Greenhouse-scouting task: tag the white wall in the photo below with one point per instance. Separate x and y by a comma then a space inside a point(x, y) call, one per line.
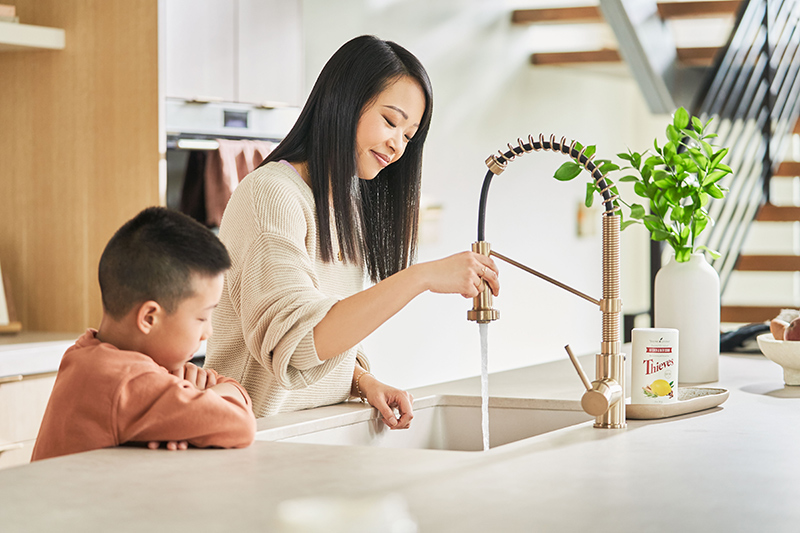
point(486, 94)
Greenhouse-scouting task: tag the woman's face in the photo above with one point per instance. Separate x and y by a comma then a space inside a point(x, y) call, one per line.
point(387, 125)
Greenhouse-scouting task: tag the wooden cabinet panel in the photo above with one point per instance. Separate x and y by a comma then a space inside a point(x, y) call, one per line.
point(79, 148)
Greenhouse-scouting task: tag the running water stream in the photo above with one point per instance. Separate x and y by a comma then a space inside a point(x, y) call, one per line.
point(484, 331)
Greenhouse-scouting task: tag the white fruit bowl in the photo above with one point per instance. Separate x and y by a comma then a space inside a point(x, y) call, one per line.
point(784, 353)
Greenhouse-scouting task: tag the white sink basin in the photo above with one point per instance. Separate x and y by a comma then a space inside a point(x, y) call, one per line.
point(440, 423)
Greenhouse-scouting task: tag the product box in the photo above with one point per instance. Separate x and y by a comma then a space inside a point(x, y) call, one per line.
point(654, 365)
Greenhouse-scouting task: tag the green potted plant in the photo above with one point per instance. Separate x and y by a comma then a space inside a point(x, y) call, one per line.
point(677, 181)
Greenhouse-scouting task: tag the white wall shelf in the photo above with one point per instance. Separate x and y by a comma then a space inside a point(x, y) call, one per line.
point(14, 36)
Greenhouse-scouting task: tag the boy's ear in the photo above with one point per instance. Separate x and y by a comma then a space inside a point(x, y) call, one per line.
point(148, 316)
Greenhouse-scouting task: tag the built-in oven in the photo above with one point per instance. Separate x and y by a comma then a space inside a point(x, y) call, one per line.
point(211, 145)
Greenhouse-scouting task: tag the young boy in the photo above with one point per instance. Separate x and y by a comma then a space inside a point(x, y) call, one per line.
point(161, 276)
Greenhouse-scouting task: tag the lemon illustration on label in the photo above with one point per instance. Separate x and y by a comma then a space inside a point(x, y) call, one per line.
point(659, 387)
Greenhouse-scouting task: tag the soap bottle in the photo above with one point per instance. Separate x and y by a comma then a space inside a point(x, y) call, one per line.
point(654, 366)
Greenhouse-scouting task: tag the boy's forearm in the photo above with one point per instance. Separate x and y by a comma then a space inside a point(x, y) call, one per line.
point(228, 390)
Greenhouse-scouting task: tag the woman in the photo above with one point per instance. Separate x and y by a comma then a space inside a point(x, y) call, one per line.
point(338, 198)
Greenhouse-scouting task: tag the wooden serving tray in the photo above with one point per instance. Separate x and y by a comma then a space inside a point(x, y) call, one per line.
point(690, 400)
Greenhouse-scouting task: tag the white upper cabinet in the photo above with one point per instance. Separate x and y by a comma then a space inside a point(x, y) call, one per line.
point(201, 47)
point(234, 50)
point(270, 52)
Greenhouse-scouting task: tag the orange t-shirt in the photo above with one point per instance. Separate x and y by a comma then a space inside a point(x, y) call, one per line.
point(104, 396)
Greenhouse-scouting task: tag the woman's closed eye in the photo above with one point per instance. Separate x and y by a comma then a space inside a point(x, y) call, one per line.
point(393, 125)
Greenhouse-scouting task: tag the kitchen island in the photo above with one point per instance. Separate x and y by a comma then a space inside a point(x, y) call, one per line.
point(730, 468)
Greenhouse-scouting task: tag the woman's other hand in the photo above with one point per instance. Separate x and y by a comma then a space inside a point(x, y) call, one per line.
point(462, 273)
point(386, 400)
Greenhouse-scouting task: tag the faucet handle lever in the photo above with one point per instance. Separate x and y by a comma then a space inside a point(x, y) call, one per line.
point(579, 368)
point(600, 394)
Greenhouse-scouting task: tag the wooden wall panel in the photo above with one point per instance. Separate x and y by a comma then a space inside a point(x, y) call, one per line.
point(78, 152)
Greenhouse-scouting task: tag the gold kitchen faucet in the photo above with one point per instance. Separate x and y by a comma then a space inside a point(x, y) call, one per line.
point(605, 396)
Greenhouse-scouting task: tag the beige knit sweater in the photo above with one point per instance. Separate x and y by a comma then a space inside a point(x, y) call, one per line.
point(277, 290)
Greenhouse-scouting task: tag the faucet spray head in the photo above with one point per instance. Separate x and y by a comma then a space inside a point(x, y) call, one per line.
point(482, 311)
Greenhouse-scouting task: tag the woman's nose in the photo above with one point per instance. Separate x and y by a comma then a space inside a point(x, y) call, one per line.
point(207, 331)
point(396, 144)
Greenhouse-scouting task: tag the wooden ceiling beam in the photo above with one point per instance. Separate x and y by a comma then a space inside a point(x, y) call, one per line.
point(676, 10)
point(557, 15)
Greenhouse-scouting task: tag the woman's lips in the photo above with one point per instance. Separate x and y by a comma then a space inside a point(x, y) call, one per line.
point(383, 161)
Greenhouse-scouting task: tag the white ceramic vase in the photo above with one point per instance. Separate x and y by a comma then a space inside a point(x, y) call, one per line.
point(687, 299)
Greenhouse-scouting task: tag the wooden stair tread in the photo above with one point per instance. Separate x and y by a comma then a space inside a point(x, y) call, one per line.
point(788, 168)
point(699, 56)
point(569, 15)
point(585, 56)
point(778, 213)
point(750, 313)
point(674, 10)
point(593, 13)
point(768, 263)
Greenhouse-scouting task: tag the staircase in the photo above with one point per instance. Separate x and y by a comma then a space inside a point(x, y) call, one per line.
point(751, 87)
point(763, 280)
point(688, 56)
point(754, 97)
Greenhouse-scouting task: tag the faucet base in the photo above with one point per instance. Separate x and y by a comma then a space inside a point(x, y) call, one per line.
point(612, 367)
point(601, 425)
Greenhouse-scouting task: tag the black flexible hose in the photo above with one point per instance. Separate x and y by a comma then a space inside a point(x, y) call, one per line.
point(581, 159)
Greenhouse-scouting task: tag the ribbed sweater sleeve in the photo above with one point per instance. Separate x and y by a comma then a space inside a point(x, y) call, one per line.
point(279, 308)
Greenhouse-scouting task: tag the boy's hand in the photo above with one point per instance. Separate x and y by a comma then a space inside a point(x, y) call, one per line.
point(170, 445)
point(199, 377)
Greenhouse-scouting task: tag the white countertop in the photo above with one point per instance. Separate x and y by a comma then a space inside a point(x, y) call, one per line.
point(37, 352)
point(732, 468)
point(33, 352)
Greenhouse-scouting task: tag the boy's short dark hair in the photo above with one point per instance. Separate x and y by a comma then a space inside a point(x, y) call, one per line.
point(153, 257)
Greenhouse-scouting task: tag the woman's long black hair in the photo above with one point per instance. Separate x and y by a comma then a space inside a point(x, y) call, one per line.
point(376, 220)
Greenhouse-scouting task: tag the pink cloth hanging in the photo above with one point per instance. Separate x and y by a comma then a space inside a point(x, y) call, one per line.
point(225, 168)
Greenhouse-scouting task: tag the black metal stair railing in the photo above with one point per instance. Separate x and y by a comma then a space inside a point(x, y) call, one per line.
point(752, 94)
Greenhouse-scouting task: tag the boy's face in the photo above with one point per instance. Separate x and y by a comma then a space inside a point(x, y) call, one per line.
point(178, 335)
